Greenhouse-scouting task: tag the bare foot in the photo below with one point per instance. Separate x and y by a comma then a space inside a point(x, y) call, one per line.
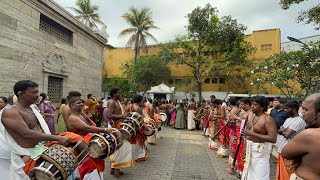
point(118, 173)
point(231, 171)
point(112, 171)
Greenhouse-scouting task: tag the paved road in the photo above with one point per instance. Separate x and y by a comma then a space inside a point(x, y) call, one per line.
point(179, 155)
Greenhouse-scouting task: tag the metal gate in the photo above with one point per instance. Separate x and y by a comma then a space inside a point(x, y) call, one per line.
point(55, 89)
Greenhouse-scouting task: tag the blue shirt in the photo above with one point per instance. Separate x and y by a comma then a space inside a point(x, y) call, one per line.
point(279, 117)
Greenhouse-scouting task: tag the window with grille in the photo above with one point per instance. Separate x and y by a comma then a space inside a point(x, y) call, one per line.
point(55, 89)
point(266, 47)
point(56, 30)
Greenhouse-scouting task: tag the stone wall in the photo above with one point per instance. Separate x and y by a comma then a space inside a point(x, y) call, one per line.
point(28, 53)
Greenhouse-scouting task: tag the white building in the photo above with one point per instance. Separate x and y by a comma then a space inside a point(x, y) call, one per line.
point(294, 46)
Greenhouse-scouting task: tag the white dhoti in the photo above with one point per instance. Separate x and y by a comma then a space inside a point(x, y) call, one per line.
point(17, 164)
point(153, 139)
point(191, 122)
point(94, 175)
point(122, 158)
point(5, 154)
point(257, 161)
point(138, 151)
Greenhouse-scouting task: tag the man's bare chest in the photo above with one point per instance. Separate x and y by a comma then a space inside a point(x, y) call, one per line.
point(30, 119)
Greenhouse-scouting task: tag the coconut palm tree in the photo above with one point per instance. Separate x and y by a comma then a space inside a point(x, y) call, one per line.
point(87, 13)
point(141, 22)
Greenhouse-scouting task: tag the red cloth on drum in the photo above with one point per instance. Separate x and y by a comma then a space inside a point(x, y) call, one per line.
point(224, 134)
point(29, 165)
point(73, 137)
point(90, 165)
point(140, 137)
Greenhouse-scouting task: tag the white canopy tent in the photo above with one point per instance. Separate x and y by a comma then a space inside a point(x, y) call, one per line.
point(161, 91)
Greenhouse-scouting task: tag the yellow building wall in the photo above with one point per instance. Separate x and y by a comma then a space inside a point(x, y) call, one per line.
point(266, 42)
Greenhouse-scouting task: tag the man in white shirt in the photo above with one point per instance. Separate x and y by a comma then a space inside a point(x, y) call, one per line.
point(291, 127)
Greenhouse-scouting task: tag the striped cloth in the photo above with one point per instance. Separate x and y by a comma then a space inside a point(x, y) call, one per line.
point(295, 123)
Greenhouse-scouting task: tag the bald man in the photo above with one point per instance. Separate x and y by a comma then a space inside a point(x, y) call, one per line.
point(304, 149)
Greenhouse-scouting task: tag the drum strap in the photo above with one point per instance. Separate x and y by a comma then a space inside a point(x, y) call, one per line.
point(122, 110)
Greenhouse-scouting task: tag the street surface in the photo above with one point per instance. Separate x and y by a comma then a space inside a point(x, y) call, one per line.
point(180, 155)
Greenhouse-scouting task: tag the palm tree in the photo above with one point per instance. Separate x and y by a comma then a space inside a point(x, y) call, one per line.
point(87, 13)
point(141, 22)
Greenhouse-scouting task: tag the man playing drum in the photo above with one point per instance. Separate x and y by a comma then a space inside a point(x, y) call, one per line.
point(139, 148)
point(25, 128)
point(123, 157)
point(84, 126)
point(153, 112)
point(66, 110)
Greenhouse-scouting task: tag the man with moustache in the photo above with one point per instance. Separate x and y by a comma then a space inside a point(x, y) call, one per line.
point(261, 131)
point(303, 150)
point(82, 125)
point(66, 110)
point(24, 128)
point(291, 127)
point(122, 158)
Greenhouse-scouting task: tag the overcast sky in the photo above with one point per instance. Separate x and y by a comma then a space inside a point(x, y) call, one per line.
point(169, 16)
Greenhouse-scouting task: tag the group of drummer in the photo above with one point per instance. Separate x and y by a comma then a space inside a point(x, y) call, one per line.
point(29, 151)
point(222, 125)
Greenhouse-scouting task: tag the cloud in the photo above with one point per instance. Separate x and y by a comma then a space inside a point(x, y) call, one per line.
point(169, 15)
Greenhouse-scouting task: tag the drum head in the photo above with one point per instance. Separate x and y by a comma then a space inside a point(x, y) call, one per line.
point(127, 129)
point(125, 134)
point(95, 150)
point(163, 117)
point(149, 131)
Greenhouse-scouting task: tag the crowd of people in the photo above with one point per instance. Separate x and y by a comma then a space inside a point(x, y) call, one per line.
point(245, 131)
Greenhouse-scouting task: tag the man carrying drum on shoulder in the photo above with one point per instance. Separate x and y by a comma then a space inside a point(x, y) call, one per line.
point(24, 129)
point(122, 158)
point(139, 148)
point(82, 125)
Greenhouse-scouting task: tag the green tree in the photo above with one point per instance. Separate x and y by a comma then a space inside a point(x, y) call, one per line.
point(208, 38)
point(117, 82)
point(311, 15)
point(148, 71)
point(291, 72)
point(87, 13)
point(141, 22)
